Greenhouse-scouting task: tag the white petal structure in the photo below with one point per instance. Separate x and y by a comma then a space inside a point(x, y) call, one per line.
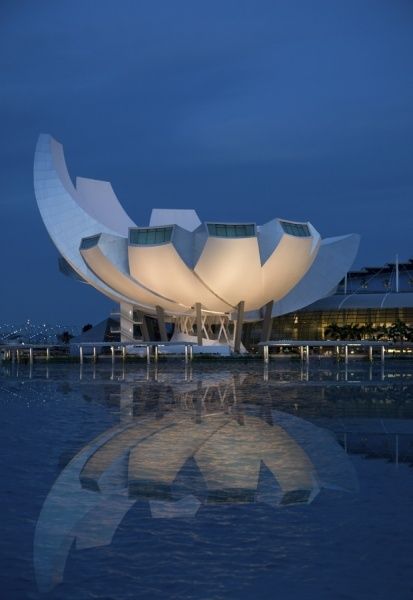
point(177, 262)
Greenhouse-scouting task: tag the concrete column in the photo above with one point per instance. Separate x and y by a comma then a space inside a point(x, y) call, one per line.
point(156, 353)
point(346, 354)
point(337, 352)
point(18, 355)
point(382, 353)
point(126, 322)
point(123, 352)
point(371, 353)
point(160, 313)
point(307, 353)
point(301, 353)
point(81, 354)
point(267, 322)
point(238, 329)
point(191, 353)
point(112, 351)
point(266, 354)
point(31, 355)
point(144, 326)
point(94, 354)
point(186, 353)
point(47, 353)
point(198, 316)
point(148, 354)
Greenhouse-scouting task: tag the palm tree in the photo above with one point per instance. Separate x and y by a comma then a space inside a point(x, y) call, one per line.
point(399, 331)
point(333, 332)
point(64, 337)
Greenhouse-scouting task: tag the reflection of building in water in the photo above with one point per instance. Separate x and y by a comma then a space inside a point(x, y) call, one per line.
point(203, 449)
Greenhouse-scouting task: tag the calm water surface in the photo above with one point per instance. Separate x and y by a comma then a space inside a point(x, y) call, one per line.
point(212, 482)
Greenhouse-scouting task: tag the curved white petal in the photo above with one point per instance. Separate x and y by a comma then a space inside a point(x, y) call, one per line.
point(98, 199)
point(162, 270)
point(333, 261)
point(65, 220)
point(107, 258)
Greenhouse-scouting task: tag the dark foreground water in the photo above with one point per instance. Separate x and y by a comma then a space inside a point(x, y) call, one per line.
point(220, 481)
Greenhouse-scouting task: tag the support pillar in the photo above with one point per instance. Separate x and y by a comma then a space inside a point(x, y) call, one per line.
point(267, 322)
point(148, 354)
point(161, 323)
point(156, 353)
point(266, 354)
point(112, 351)
point(81, 355)
point(346, 354)
point(123, 353)
point(144, 326)
point(94, 354)
point(371, 353)
point(382, 354)
point(307, 353)
point(126, 322)
point(198, 316)
point(186, 353)
point(238, 328)
point(301, 353)
point(191, 353)
point(31, 355)
point(47, 353)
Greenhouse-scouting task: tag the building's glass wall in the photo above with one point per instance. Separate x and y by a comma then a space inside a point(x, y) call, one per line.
point(150, 235)
point(297, 229)
point(312, 325)
point(89, 242)
point(231, 231)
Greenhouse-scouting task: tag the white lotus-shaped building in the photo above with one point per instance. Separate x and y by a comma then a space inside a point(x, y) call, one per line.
point(177, 268)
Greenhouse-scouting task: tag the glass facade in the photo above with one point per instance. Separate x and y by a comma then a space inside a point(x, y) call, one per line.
point(297, 229)
point(311, 325)
point(150, 235)
point(227, 230)
point(89, 242)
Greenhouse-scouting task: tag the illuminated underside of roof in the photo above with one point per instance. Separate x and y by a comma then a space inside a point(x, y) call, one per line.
point(177, 262)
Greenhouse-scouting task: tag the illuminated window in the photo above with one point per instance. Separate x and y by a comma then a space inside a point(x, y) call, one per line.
point(227, 230)
point(297, 229)
point(89, 242)
point(150, 235)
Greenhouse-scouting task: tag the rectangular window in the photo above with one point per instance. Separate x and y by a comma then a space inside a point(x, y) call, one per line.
point(150, 235)
point(89, 242)
point(229, 230)
point(297, 229)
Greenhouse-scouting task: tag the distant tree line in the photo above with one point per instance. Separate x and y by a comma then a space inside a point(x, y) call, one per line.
point(397, 332)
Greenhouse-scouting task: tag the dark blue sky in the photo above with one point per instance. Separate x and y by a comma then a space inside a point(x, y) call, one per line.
point(242, 110)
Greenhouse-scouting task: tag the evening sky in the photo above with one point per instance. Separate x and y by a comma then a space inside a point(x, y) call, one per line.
point(243, 110)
